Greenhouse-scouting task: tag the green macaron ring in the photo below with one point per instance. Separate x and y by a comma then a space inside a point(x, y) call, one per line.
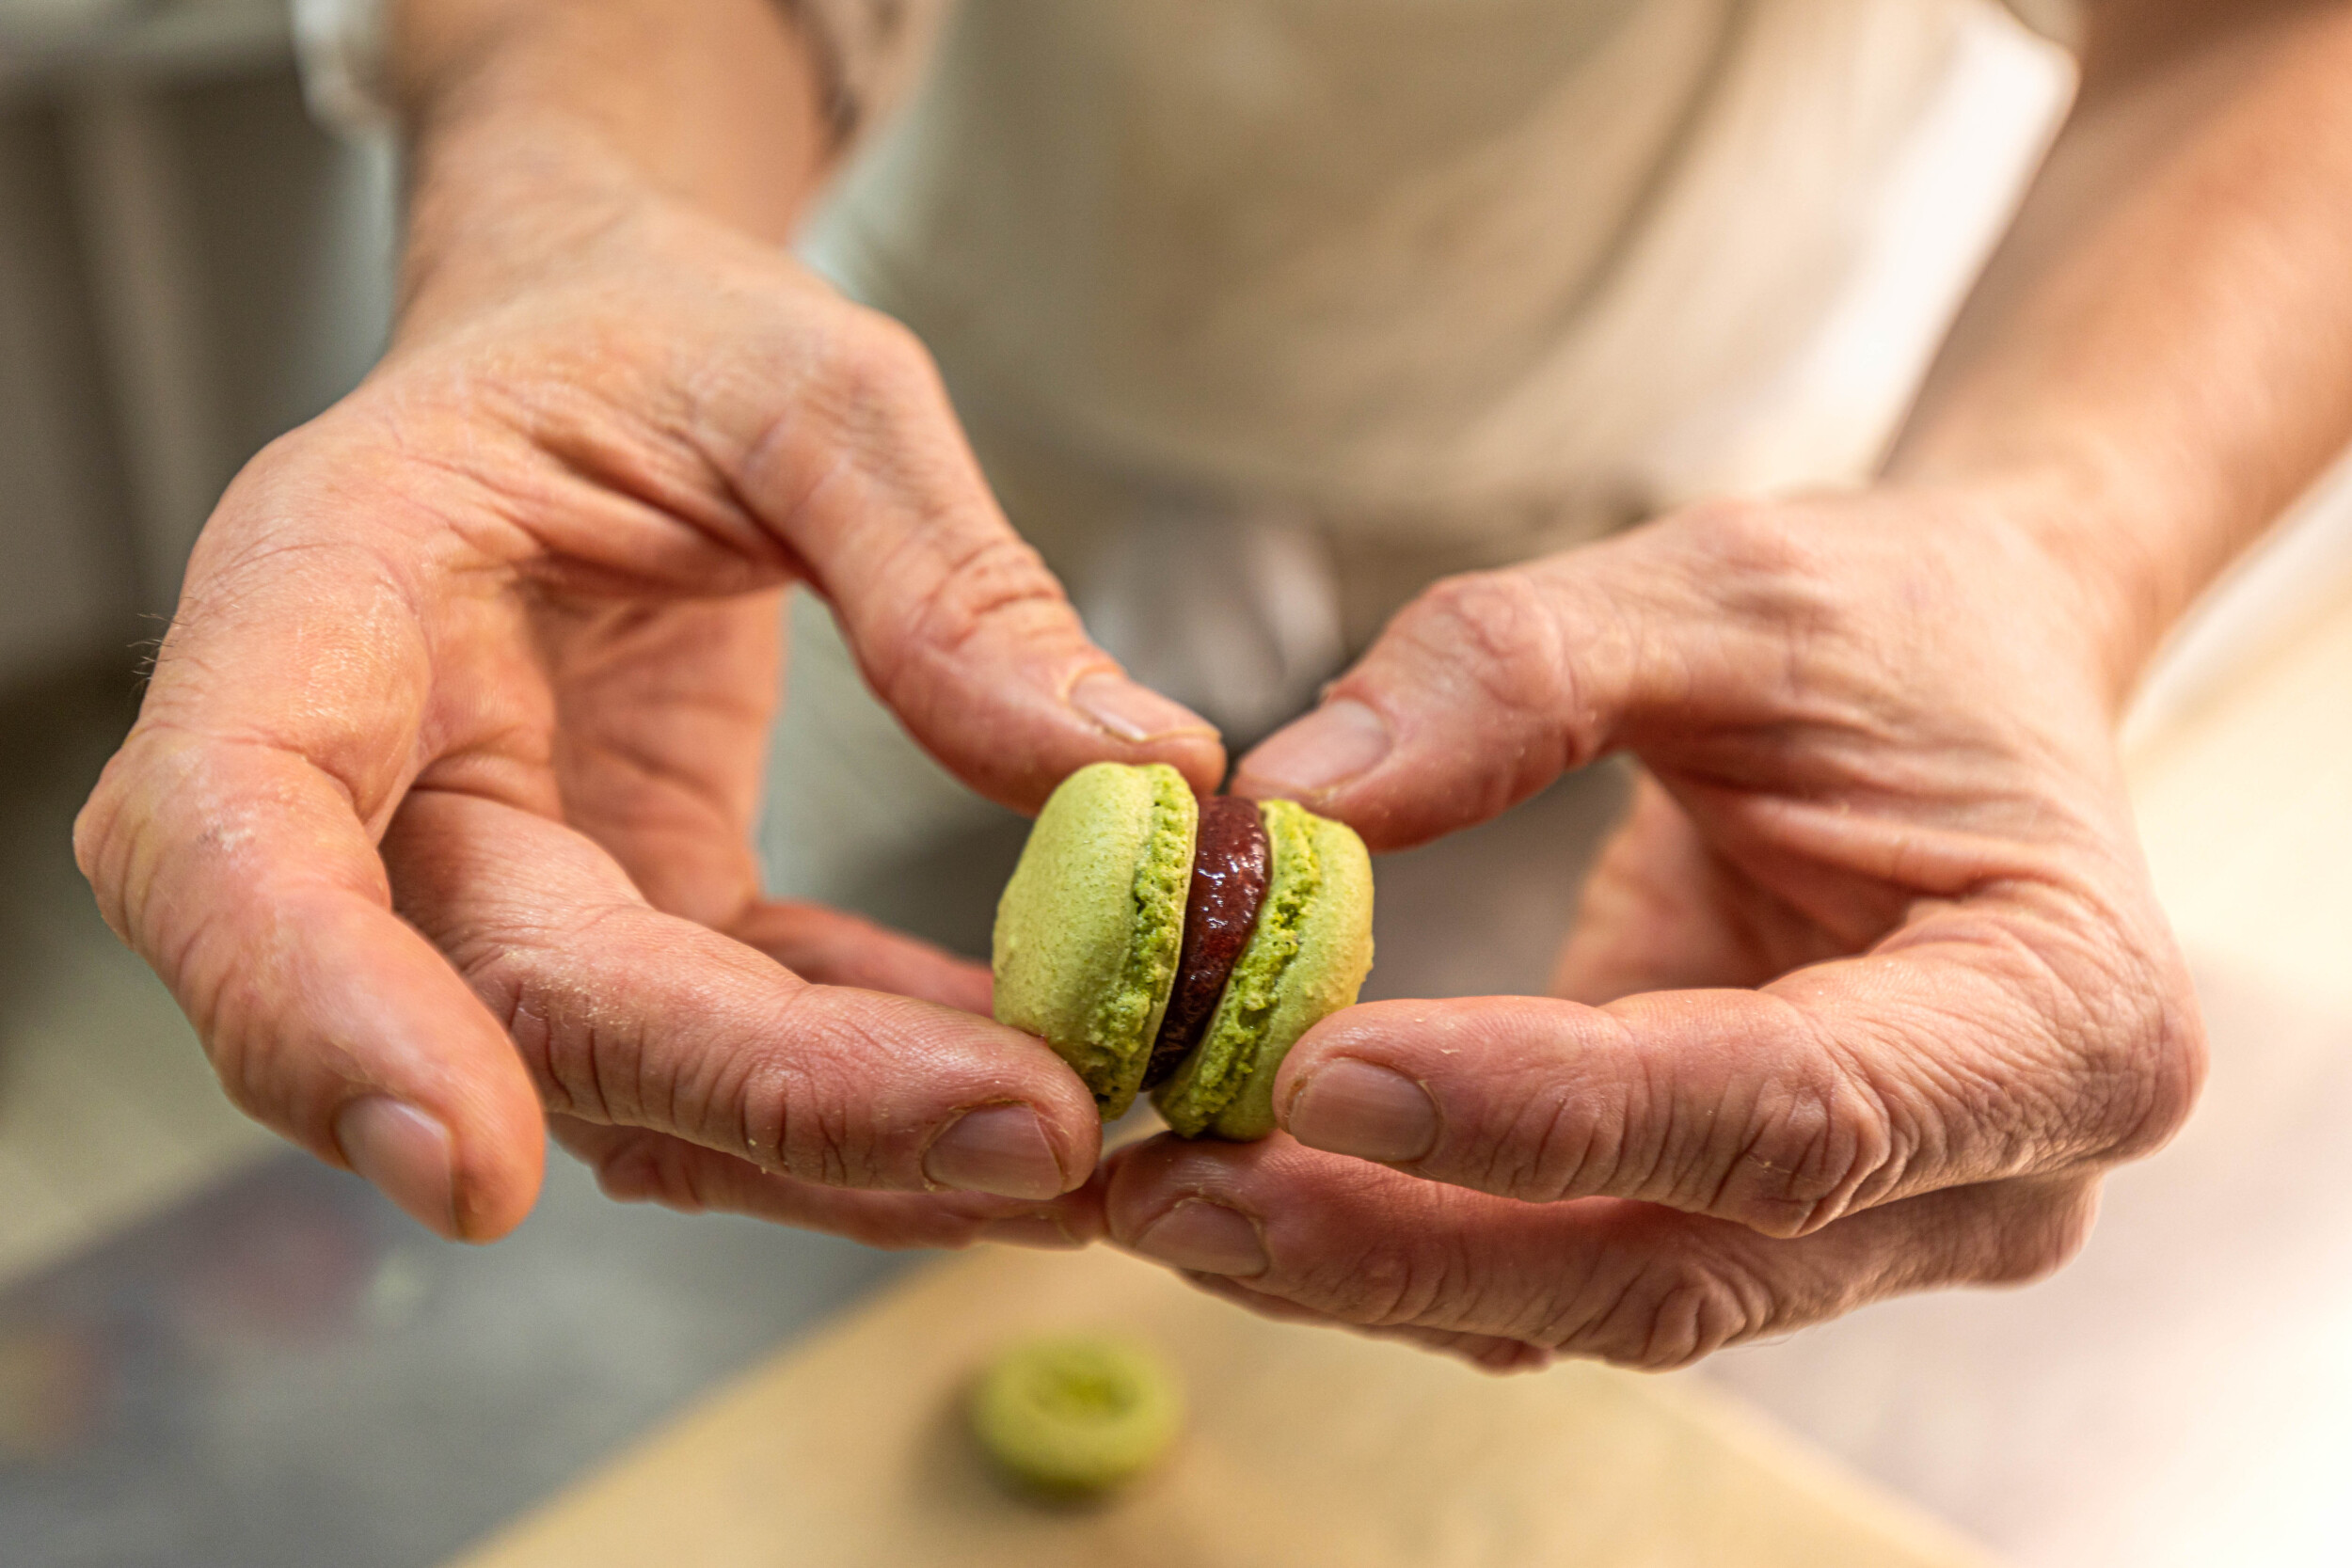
point(1074, 1416)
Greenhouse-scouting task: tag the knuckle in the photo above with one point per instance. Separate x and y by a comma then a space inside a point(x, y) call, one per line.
point(651, 1170)
point(792, 1110)
point(1565, 1143)
point(243, 1058)
point(1783, 1130)
point(94, 828)
point(1672, 1313)
point(873, 367)
point(575, 1057)
point(2169, 1058)
point(1751, 538)
point(2127, 1055)
point(122, 838)
point(1813, 1153)
point(1775, 571)
point(1381, 1284)
point(1497, 631)
point(886, 343)
point(279, 1070)
point(993, 583)
point(2044, 1238)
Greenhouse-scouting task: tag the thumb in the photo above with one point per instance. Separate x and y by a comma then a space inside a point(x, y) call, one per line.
point(955, 621)
point(238, 870)
point(1492, 684)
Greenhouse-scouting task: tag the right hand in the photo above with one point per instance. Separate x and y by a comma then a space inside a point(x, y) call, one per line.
point(437, 817)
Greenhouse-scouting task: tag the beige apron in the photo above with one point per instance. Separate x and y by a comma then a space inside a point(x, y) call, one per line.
point(1263, 313)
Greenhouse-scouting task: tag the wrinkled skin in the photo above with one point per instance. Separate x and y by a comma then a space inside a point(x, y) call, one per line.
point(1870, 987)
point(440, 797)
point(512, 611)
point(1864, 994)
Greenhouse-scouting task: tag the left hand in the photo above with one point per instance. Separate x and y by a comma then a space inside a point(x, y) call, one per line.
point(1866, 992)
point(437, 818)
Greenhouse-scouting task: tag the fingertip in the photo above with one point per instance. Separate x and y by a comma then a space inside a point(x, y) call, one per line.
point(1313, 758)
point(1363, 1110)
point(404, 1154)
point(1081, 1212)
point(1130, 1184)
point(1201, 759)
point(497, 1184)
point(412, 1158)
point(1068, 1223)
point(436, 1108)
point(1003, 1151)
point(1202, 1235)
point(1142, 1181)
point(1015, 742)
point(1031, 1090)
point(1509, 1357)
point(1149, 727)
point(1133, 713)
point(1374, 1030)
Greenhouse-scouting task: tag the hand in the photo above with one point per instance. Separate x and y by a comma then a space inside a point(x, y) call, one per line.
point(1866, 993)
point(512, 609)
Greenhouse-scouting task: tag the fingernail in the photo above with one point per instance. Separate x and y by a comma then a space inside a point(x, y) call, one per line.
point(1333, 744)
point(1206, 1237)
point(1043, 1231)
point(1352, 1107)
point(1132, 712)
point(406, 1155)
point(998, 1149)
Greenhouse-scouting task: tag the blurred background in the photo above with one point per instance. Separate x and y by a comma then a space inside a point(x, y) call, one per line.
point(214, 1352)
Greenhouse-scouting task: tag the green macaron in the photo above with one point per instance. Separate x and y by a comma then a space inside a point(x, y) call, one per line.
point(1158, 942)
point(1074, 1416)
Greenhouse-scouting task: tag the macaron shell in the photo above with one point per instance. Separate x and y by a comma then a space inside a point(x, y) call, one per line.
point(1212, 1075)
point(1306, 957)
point(1334, 956)
point(1089, 925)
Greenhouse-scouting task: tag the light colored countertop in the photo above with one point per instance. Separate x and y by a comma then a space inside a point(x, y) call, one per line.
point(1302, 1447)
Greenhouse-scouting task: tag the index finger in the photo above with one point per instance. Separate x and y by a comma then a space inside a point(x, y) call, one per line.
point(633, 1018)
point(954, 619)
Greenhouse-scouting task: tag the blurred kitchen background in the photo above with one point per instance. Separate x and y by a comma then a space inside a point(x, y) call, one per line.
point(213, 1352)
point(187, 268)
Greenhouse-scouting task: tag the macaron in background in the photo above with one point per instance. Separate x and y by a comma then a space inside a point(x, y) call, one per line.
point(1159, 941)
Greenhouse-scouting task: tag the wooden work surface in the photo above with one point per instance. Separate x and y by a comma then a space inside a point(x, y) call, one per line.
point(1305, 1447)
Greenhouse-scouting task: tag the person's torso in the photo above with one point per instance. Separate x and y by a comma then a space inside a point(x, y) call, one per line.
point(1421, 263)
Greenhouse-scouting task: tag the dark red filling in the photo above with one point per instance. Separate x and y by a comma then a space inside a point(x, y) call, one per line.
point(1230, 863)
